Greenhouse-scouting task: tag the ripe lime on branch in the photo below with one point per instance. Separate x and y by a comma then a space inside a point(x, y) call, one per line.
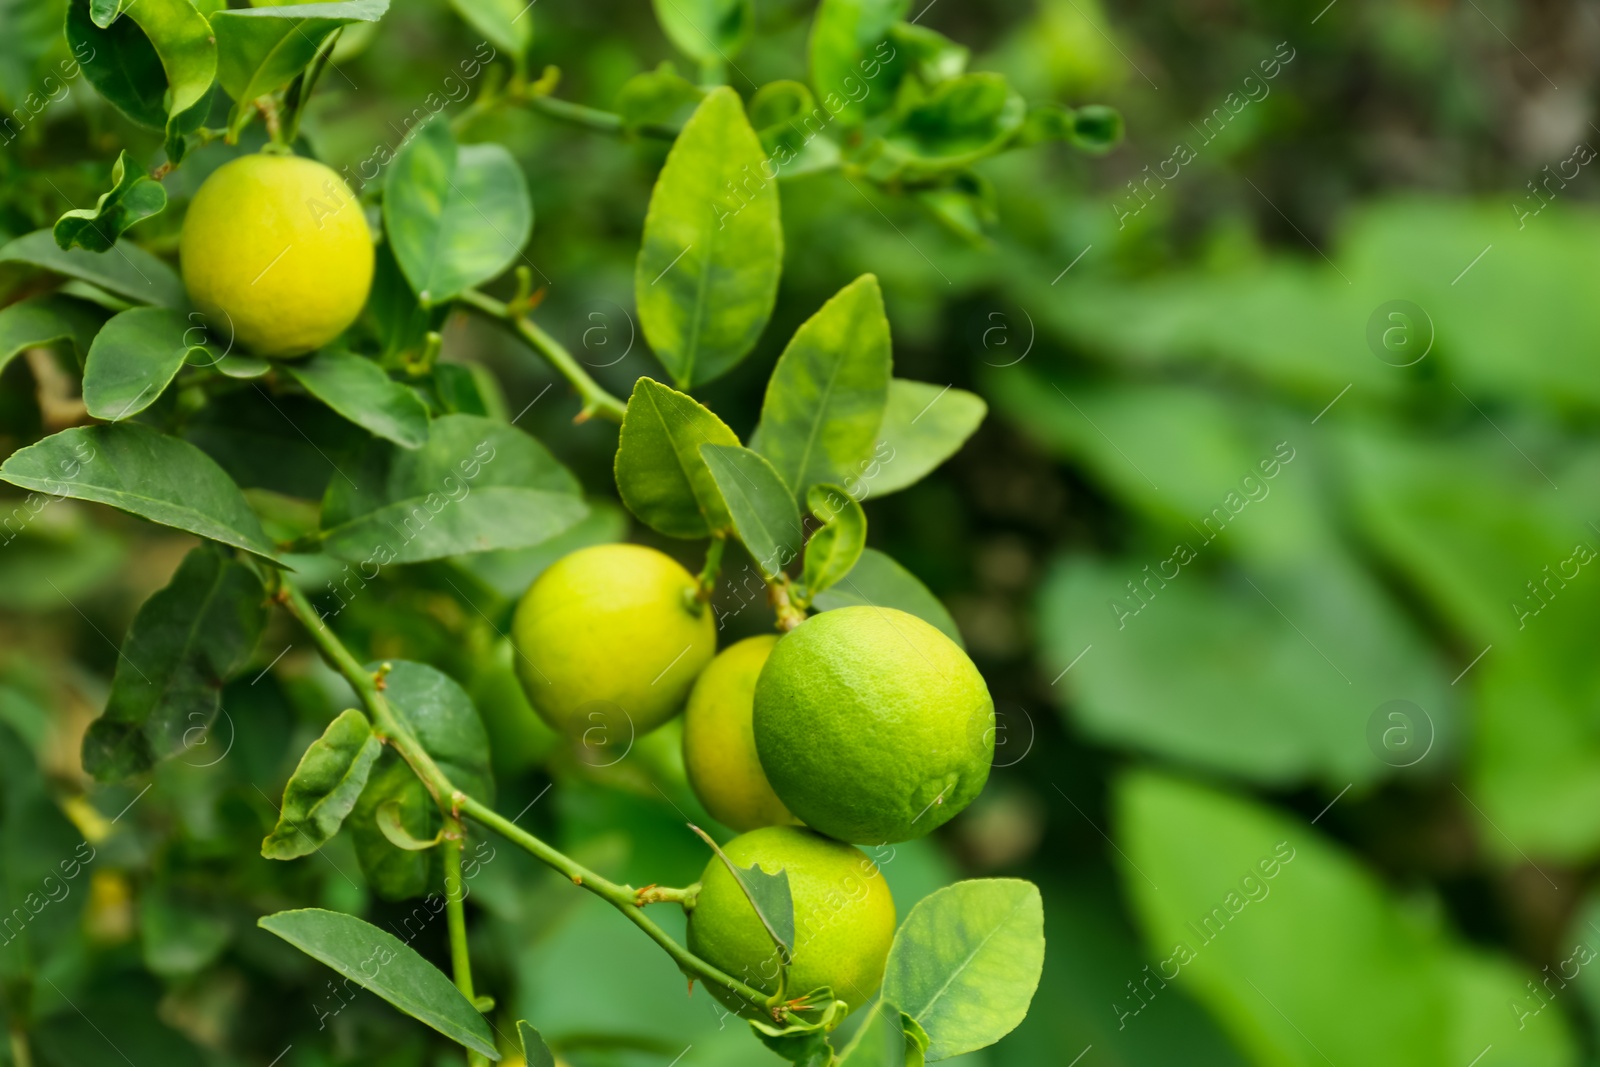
point(719, 745)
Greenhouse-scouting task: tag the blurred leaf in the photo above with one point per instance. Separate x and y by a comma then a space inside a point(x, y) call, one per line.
point(661, 98)
point(960, 122)
point(179, 937)
point(1213, 857)
point(826, 397)
point(966, 961)
point(923, 425)
point(834, 549)
point(358, 389)
point(133, 197)
point(763, 509)
point(126, 270)
point(44, 320)
point(889, 1038)
point(185, 642)
point(475, 485)
point(506, 24)
point(455, 216)
point(965, 203)
point(709, 31)
point(879, 581)
point(708, 266)
point(378, 961)
point(930, 55)
point(660, 474)
point(1238, 654)
point(392, 788)
point(262, 49)
point(324, 787)
point(849, 45)
point(134, 358)
point(535, 1053)
point(784, 115)
point(1482, 986)
point(136, 469)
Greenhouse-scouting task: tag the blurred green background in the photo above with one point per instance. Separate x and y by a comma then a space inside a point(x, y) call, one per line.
point(1274, 549)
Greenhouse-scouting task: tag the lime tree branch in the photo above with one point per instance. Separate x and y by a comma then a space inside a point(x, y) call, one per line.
point(596, 400)
point(455, 897)
point(453, 803)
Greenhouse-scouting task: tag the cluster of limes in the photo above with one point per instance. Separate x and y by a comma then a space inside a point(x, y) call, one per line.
point(863, 725)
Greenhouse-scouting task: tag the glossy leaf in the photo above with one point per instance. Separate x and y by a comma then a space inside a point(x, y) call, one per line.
point(136, 469)
point(710, 31)
point(966, 961)
point(535, 1053)
point(44, 320)
point(506, 24)
point(127, 270)
point(878, 580)
point(133, 359)
point(358, 389)
point(155, 62)
point(185, 642)
point(825, 400)
point(660, 474)
point(183, 40)
point(923, 425)
point(835, 548)
point(849, 47)
point(707, 273)
point(378, 961)
point(763, 510)
point(455, 216)
point(475, 485)
point(391, 817)
point(262, 49)
point(324, 787)
point(121, 64)
point(133, 197)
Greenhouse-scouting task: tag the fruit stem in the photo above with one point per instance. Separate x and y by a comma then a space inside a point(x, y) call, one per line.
point(712, 570)
point(665, 894)
point(454, 803)
point(596, 400)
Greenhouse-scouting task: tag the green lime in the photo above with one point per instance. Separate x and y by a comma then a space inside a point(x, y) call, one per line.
point(609, 639)
point(843, 916)
point(719, 744)
point(872, 725)
point(276, 253)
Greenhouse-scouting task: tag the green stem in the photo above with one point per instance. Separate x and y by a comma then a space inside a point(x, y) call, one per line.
point(712, 570)
point(596, 400)
point(453, 802)
point(20, 1053)
point(623, 898)
point(593, 118)
point(455, 914)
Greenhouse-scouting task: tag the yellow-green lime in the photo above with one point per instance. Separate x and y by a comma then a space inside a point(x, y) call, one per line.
point(843, 916)
point(719, 743)
point(609, 639)
point(276, 254)
point(872, 725)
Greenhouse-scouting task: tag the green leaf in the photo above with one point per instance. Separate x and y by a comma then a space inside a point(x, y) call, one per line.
point(923, 425)
point(127, 270)
point(661, 98)
point(1220, 885)
point(44, 320)
point(391, 817)
point(378, 961)
point(834, 549)
point(443, 719)
point(133, 359)
point(1271, 674)
point(784, 115)
point(878, 580)
point(966, 961)
point(262, 49)
point(960, 122)
point(660, 475)
point(185, 642)
point(182, 40)
point(849, 48)
point(707, 273)
point(324, 787)
point(358, 389)
point(825, 400)
point(769, 896)
point(506, 24)
point(930, 55)
point(138, 470)
point(764, 513)
point(133, 197)
point(156, 65)
point(455, 216)
point(475, 485)
point(708, 31)
point(535, 1053)
point(889, 1038)
point(179, 936)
